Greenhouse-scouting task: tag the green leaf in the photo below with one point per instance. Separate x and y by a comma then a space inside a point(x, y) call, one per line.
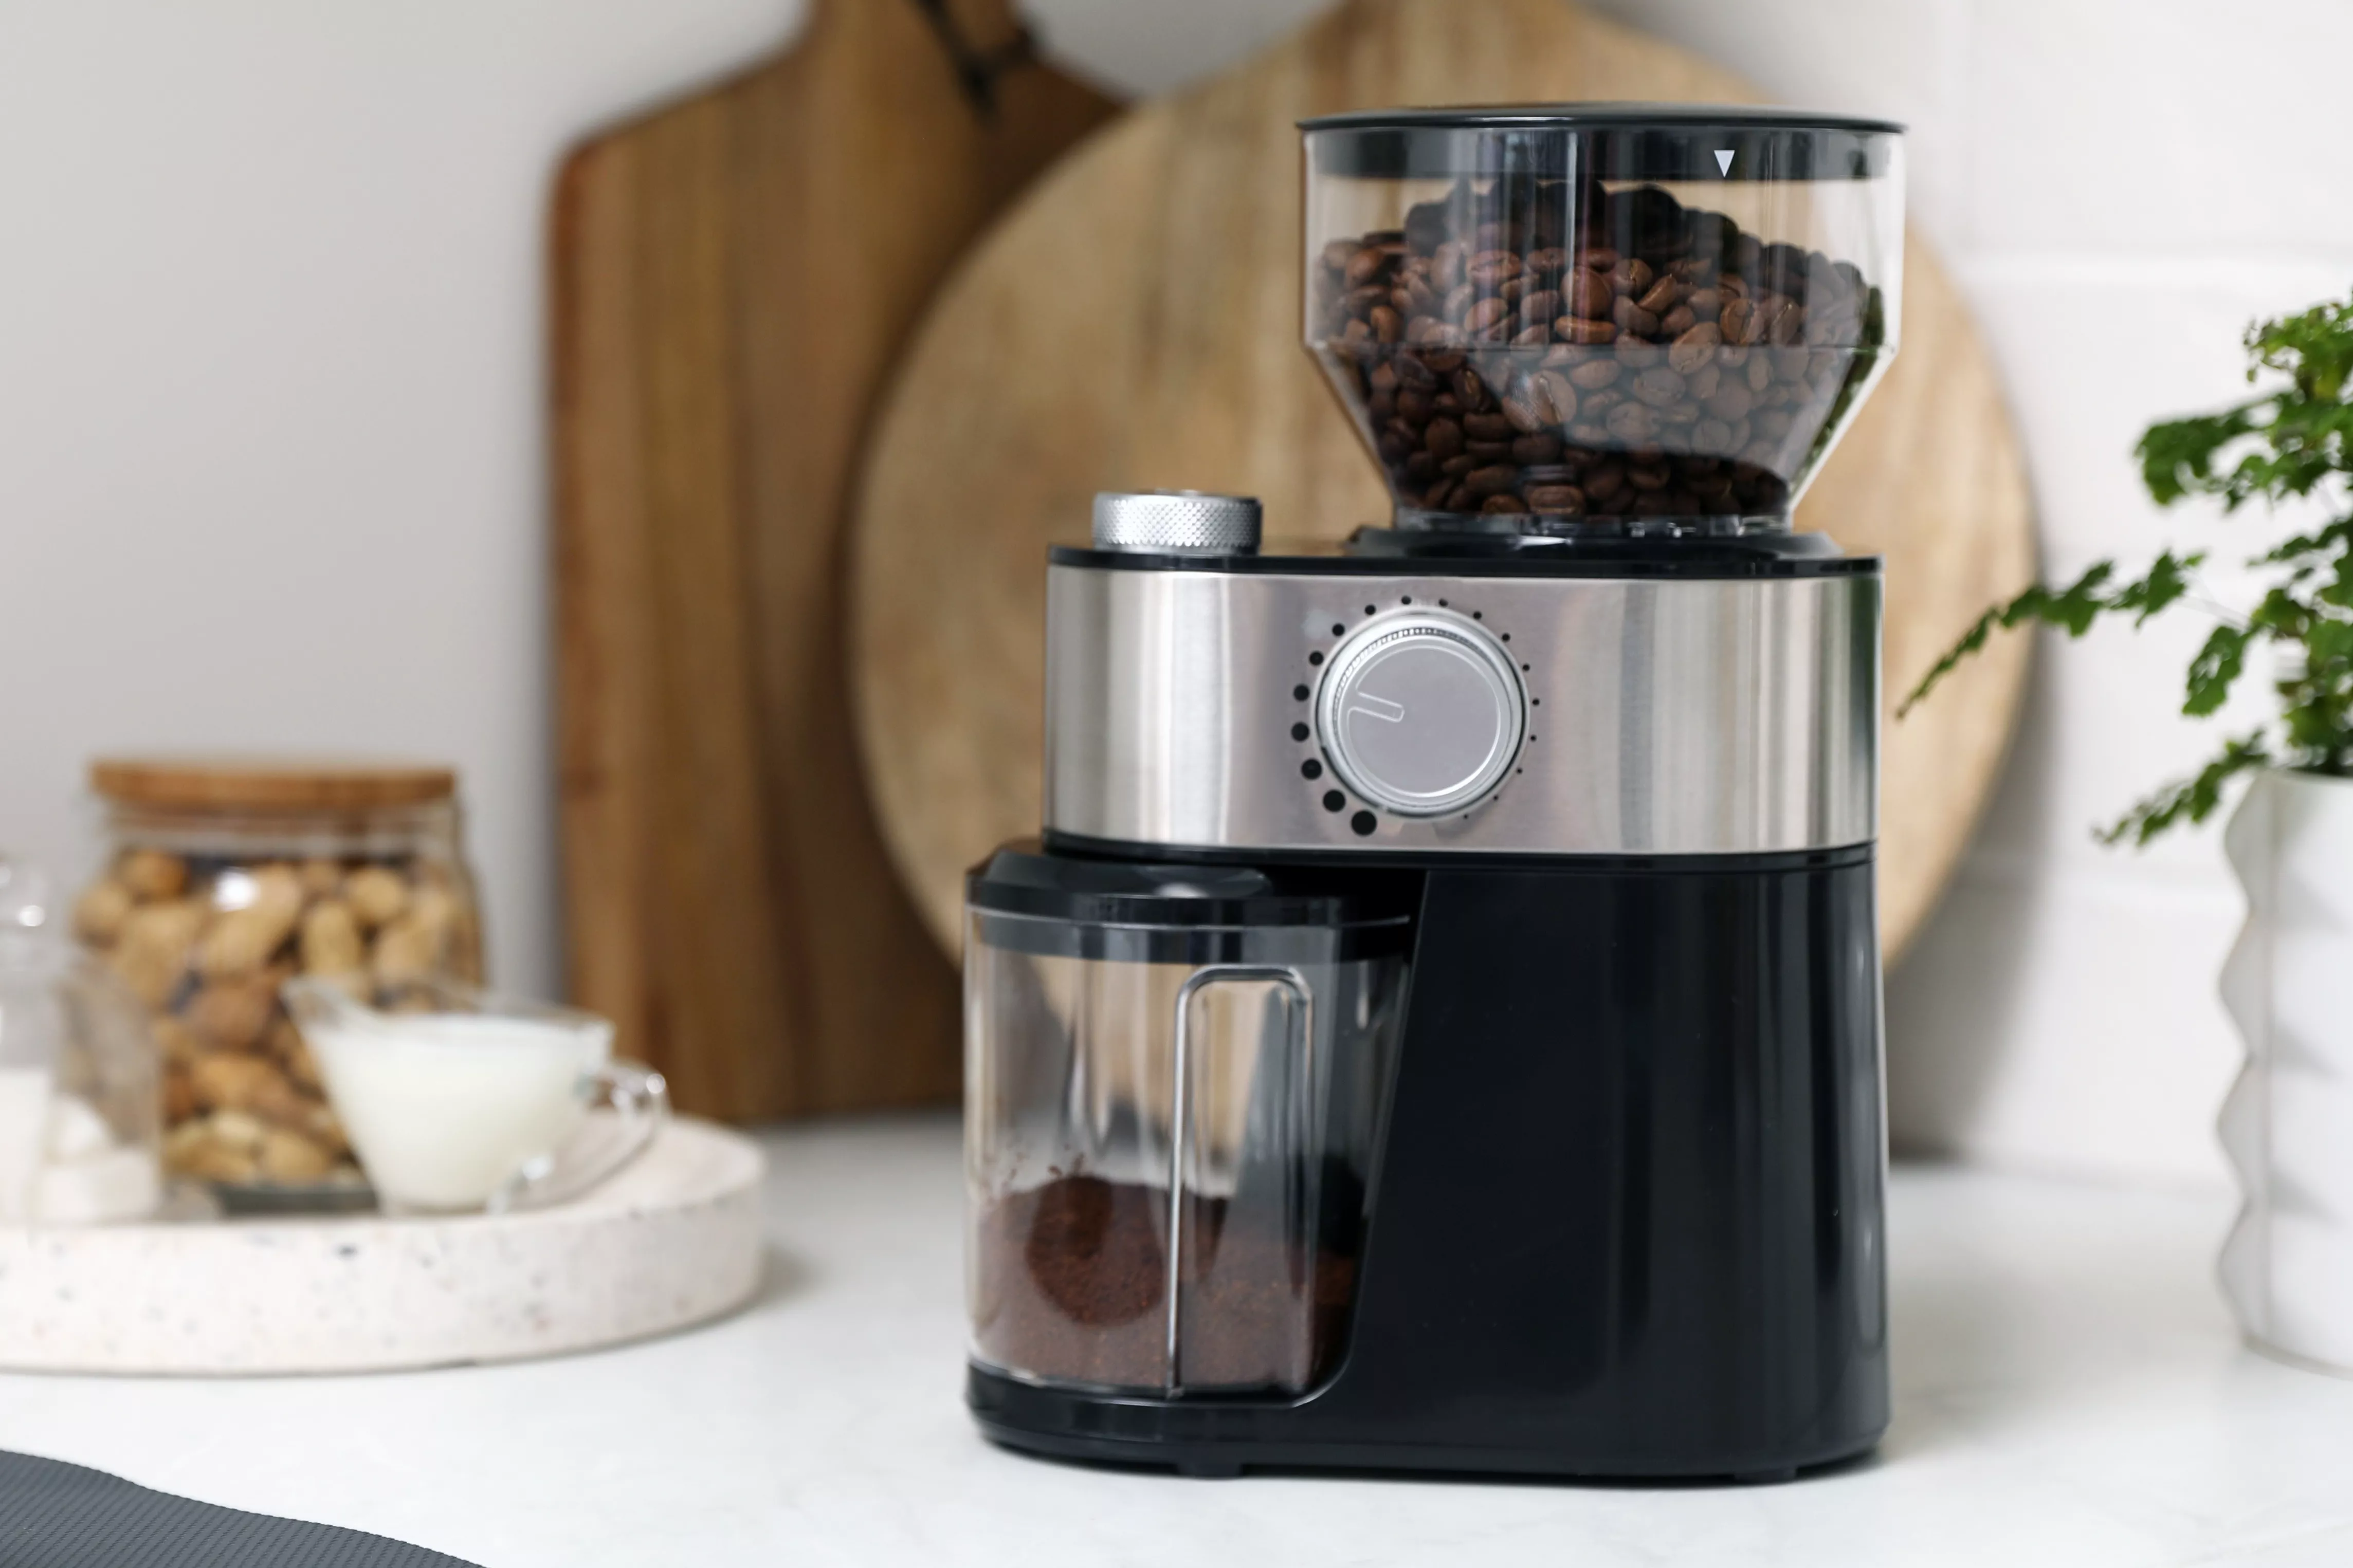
point(2072, 607)
point(2218, 664)
point(2194, 799)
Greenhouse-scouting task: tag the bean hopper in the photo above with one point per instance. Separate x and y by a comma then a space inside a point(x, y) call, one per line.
point(1440, 1027)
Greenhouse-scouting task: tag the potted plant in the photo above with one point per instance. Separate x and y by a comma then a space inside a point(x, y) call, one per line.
point(2287, 1124)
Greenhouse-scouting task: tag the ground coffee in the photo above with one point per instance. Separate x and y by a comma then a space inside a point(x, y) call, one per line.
point(1072, 1285)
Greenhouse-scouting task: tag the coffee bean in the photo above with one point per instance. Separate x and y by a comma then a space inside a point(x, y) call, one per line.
point(1736, 321)
point(1489, 269)
point(1531, 337)
point(1636, 354)
point(1487, 427)
point(1659, 386)
point(1498, 504)
point(1419, 468)
point(1538, 448)
point(1578, 330)
point(1694, 347)
point(1444, 438)
point(1554, 395)
point(1539, 308)
point(1663, 296)
point(1704, 304)
point(1411, 372)
point(1454, 467)
point(1470, 389)
point(1632, 320)
point(1523, 413)
point(1413, 404)
point(1387, 325)
point(1486, 313)
point(1731, 401)
point(1492, 479)
point(1630, 276)
point(1633, 424)
point(1565, 500)
point(1588, 294)
point(1592, 374)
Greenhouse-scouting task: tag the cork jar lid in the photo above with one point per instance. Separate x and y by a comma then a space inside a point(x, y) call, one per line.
point(265, 784)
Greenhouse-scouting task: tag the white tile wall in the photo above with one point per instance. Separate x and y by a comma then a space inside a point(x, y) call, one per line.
point(2120, 186)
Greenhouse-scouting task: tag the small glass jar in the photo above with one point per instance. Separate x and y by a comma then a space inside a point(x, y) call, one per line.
point(225, 878)
point(78, 1073)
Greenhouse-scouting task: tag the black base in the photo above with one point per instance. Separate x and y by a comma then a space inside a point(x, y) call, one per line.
point(1626, 1218)
point(1204, 1441)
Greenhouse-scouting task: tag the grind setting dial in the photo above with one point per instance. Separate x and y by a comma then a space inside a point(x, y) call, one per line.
point(1421, 712)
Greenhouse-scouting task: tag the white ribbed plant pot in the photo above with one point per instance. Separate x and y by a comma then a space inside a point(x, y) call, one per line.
point(2288, 1125)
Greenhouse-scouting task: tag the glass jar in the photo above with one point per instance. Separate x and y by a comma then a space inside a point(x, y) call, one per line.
point(78, 1074)
point(1174, 1077)
point(1601, 320)
point(225, 878)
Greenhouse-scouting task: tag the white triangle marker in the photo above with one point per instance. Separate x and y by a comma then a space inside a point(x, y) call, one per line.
point(1724, 160)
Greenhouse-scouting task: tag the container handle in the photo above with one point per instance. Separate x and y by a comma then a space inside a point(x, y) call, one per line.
point(1180, 1107)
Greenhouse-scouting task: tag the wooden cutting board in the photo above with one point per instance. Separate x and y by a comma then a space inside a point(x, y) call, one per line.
point(1134, 324)
point(735, 277)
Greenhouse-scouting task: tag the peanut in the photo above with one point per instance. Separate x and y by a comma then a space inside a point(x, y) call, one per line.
point(410, 947)
point(331, 938)
point(290, 1157)
point(244, 937)
point(376, 895)
point(230, 1083)
point(154, 951)
point(232, 1014)
point(98, 914)
point(152, 874)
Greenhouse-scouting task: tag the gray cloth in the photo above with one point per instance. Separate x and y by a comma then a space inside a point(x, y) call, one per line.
point(63, 1516)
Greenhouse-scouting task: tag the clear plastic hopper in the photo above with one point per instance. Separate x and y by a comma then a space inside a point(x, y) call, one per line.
point(1601, 320)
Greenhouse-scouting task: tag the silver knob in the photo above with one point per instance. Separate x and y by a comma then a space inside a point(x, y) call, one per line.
point(1187, 522)
point(1421, 712)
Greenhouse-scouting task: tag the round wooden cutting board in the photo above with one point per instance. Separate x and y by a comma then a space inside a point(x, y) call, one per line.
point(1134, 324)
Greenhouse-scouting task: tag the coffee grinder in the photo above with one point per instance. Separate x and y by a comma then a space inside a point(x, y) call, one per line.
point(1440, 1027)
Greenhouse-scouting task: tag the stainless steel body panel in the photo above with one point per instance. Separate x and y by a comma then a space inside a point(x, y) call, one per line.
point(1667, 715)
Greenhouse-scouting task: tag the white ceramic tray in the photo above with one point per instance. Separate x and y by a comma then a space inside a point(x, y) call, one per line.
point(671, 1240)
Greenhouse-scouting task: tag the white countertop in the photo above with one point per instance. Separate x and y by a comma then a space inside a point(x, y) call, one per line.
point(2068, 1391)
